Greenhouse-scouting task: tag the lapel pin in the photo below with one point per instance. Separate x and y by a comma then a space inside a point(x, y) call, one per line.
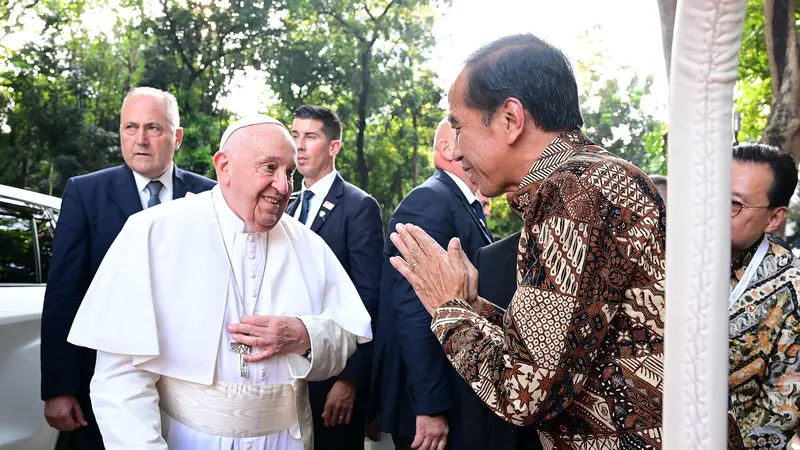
point(322, 213)
point(328, 205)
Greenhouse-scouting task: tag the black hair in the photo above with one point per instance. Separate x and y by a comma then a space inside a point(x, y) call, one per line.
point(331, 125)
point(783, 166)
point(531, 70)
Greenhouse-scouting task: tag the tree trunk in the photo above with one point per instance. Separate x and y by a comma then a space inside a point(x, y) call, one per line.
point(666, 11)
point(783, 126)
point(415, 157)
point(361, 162)
point(51, 178)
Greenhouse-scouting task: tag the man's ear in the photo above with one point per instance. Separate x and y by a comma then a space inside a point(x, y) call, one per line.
point(221, 166)
point(447, 149)
point(776, 219)
point(178, 138)
point(336, 146)
point(512, 119)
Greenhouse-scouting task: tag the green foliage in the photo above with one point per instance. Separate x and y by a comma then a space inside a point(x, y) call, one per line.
point(753, 85)
point(503, 221)
point(366, 61)
point(60, 94)
point(613, 112)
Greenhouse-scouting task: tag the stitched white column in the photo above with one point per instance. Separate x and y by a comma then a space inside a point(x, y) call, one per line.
point(708, 34)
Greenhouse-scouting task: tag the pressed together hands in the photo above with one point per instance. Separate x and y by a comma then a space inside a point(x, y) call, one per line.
point(437, 276)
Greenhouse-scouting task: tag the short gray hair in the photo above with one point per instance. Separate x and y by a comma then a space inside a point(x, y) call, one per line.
point(170, 102)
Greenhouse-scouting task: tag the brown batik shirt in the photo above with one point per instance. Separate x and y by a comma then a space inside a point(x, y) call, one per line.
point(580, 351)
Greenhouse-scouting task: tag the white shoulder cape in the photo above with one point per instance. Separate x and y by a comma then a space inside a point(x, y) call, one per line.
point(159, 294)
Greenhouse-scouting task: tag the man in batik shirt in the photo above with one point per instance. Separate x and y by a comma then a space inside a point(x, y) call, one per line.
point(765, 287)
point(580, 351)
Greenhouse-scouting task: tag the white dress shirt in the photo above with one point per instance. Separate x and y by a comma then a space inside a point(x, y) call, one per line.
point(468, 194)
point(320, 190)
point(166, 192)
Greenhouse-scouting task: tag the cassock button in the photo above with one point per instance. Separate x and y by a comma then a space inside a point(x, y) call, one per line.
point(251, 238)
point(263, 373)
point(251, 255)
point(253, 274)
point(248, 446)
point(253, 294)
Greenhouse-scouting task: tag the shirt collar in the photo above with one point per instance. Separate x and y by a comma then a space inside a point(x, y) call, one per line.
point(739, 265)
point(230, 224)
point(322, 186)
point(165, 179)
point(468, 194)
point(562, 147)
point(228, 220)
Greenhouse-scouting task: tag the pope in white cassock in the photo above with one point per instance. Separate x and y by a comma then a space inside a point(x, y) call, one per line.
point(209, 314)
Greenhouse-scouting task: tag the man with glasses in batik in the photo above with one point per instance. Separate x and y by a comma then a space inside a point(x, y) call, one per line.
point(764, 325)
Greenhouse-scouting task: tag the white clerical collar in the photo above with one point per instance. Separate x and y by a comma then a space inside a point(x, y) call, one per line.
point(165, 179)
point(322, 186)
point(468, 194)
point(229, 221)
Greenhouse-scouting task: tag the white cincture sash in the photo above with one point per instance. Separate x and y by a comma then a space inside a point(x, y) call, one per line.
point(749, 273)
point(229, 410)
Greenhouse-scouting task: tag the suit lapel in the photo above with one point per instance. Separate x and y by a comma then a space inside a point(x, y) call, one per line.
point(331, 200)
point(124, 192)
point(181, 184)
point(294, 200)
point(444, 178)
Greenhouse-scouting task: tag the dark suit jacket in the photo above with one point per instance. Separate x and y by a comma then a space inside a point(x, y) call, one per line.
point(411, 373)
point(353, 229)
point(497, 282)
point(94, 208)
point(497, 267)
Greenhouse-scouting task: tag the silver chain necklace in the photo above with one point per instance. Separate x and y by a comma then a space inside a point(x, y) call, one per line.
point(238, 347)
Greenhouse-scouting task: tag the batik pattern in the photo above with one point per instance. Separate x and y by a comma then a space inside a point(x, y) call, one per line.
point(580, 351)
point(765, 339)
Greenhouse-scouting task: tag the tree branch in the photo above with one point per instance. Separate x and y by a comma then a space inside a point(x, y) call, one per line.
point(176, 41)
point(346, 24)
point(366, 8)
point(377, 23)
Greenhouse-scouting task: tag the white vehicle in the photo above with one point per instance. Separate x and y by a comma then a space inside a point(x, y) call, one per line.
point(27, 222)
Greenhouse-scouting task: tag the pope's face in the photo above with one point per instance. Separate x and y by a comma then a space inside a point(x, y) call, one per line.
point(255, 173)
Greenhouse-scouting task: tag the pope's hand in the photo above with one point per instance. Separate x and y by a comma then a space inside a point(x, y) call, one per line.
point(272, 335)
point(436, 275)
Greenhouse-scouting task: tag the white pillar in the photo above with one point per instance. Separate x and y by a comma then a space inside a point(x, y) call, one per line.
point(708, 34)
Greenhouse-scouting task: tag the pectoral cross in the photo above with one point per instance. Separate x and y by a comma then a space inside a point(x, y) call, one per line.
point(242, 349)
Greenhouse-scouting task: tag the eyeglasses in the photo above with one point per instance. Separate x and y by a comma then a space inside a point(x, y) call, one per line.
point(737, 207)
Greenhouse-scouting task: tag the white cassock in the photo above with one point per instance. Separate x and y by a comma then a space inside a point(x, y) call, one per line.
point(157, 312)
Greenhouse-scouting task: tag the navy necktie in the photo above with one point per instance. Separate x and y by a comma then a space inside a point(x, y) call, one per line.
point(477, 208)
point(154, 187)
point(304, 206)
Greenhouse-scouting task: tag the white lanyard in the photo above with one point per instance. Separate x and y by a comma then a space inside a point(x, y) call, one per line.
point(750, 272)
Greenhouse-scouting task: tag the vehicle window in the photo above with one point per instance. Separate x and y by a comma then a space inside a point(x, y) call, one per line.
point(44, 229)
point(17, 247)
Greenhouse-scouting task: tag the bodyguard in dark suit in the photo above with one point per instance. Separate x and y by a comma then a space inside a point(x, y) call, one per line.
point(416, 388)
point(94, 208)
point(497, 264)
point(349, 220)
